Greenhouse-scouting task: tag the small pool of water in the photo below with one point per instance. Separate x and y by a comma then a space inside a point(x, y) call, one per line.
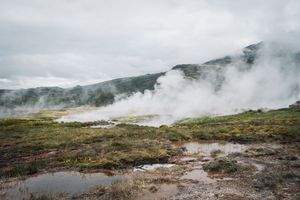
point(198, 175)
point(206, 148)
point(68, 183)
point(152, 167)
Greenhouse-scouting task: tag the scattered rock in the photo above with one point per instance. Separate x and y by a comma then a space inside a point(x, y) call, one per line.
point(153, 189)
point(288, 157)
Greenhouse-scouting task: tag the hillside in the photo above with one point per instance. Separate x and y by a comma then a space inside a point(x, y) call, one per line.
point(105, 93)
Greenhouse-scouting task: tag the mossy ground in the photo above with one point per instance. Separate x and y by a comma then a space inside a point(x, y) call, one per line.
point(280, 125)
point(29, 145)
point(222, 165)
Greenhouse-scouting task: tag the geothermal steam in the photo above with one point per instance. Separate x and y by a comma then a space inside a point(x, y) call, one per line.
point(272, 82)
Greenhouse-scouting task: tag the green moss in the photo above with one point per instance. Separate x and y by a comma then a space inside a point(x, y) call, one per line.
point(175, 136)
point(249, 126)
point(223, 166)
point(202, 135)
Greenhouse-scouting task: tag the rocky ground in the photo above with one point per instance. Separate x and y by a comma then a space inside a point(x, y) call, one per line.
point(266, 172)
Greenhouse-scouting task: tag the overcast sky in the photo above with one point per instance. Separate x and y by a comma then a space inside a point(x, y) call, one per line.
point(69, 42)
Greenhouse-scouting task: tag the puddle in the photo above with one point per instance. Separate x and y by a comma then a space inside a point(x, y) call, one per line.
point(68, 183)
point(198, 175)
point(165, 191)
point(152, 167)
point(206, 148)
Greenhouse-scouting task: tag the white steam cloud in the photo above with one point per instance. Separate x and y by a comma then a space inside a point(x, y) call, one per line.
point(272, 82)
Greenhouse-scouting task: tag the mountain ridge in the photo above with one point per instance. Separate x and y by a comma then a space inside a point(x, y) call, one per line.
point(105, 93)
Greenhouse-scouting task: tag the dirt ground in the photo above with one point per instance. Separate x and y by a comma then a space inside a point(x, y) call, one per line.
point(267, 171)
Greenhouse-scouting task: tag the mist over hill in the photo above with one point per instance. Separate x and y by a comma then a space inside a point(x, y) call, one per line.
point(263, 75)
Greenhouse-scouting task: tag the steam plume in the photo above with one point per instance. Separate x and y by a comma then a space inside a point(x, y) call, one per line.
point(273, 81)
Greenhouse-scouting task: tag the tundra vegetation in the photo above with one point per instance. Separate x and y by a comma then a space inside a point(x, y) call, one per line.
point(39, 143)
point(29, 145)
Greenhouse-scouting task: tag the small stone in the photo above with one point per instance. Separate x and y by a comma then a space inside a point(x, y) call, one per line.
point(153, 189)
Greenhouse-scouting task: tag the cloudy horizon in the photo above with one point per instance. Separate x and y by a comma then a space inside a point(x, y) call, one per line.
point(66, 43)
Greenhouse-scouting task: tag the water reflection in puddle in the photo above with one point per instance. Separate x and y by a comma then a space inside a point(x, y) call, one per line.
point(152, 167)
point(198, 175)
point(68, 183)
point(206, 148)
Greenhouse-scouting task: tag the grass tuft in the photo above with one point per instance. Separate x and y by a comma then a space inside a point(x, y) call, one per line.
point(223, 166)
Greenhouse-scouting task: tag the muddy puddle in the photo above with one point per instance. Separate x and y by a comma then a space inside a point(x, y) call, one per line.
point(52, 184)
point(198, 175)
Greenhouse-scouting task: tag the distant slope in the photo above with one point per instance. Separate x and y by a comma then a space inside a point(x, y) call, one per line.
point(104, 93)
point(96, 95)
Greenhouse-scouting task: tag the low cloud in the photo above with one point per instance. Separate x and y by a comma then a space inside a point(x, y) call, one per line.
point(101, 40)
